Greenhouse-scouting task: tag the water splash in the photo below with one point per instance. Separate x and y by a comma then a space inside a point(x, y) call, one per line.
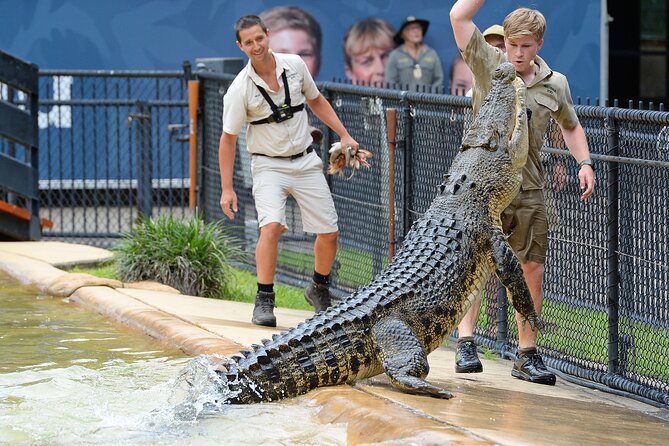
point(198, 389)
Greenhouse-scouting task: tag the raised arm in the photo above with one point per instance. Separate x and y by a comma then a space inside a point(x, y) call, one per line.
point(462, 14)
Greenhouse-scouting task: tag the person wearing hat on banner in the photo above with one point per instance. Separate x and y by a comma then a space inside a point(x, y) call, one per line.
point(414, 65)
point(494, 35)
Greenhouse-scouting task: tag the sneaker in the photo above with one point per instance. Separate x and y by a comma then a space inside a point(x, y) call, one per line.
point(263, 312)
point(531, 368)
point(467, 359)
point(318, 296)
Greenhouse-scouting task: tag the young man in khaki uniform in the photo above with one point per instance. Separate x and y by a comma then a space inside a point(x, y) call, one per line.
point(271, 93)
point(524, 220)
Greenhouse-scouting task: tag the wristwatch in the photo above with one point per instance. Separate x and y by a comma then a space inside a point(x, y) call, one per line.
point(586, 162)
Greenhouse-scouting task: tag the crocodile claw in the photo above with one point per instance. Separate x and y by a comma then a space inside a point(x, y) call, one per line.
point(535, 321)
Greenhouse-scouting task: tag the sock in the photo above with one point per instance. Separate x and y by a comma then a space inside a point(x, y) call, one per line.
point(466, 339)
point(266, 288)
point(529, 351)
point(321, 279)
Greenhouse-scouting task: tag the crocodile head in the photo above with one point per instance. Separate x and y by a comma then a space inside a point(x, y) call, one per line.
point(487, 170)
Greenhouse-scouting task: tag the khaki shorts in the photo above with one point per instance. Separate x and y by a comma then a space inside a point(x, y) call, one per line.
point(274, 179)
point(524, 221)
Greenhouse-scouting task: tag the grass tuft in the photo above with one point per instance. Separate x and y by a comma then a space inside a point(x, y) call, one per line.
point(189, 255)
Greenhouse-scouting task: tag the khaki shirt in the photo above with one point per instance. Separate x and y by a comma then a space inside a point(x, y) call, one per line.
point(547, 96)
point(243, 103)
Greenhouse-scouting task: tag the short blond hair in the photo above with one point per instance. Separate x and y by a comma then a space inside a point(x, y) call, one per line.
point(525, 22)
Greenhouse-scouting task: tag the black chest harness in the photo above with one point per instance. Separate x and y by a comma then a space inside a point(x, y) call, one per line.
point(282, 112)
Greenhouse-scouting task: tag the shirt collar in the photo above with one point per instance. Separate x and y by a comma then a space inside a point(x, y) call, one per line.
point(281, 65)
point(544, 70)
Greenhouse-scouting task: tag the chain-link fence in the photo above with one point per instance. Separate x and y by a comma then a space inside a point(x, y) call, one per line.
point(113, 146)
point(607, 274)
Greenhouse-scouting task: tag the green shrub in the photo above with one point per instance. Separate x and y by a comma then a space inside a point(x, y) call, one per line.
point(188, 255)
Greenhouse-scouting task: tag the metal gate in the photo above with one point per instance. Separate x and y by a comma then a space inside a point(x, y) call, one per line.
point(114, 150)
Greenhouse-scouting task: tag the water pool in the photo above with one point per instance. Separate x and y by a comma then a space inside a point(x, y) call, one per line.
point(70, 376)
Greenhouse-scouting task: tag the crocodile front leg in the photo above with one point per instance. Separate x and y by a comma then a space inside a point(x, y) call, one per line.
point(404, 359)
point(510, 273)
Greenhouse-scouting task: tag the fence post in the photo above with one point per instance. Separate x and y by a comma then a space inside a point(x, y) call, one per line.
point(193, 101)
point(612, 274)
point(391, 119)
point(144, 159)
point(408, 164)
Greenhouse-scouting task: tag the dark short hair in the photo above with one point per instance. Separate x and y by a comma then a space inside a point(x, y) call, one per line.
point(247, 22)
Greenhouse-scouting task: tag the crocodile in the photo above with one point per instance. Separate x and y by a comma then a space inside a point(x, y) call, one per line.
point(406, 312)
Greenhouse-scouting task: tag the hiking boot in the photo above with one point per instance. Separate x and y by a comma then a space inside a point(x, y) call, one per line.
point(467, 359)
point(531, 368)
point(319, 296)
point(263, 312)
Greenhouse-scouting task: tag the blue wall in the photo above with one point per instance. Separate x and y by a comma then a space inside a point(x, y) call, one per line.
point(161, 34)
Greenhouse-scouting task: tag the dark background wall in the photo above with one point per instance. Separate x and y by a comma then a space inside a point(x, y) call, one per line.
point(161, 34)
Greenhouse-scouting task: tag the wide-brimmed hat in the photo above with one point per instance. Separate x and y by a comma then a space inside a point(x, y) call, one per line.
point(494, 30)
point(408, 21)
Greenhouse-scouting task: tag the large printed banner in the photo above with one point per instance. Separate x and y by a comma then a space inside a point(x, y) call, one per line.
point(161, 34)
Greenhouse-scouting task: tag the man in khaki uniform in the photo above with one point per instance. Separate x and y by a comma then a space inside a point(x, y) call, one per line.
point(524, 220)
point(270, 94)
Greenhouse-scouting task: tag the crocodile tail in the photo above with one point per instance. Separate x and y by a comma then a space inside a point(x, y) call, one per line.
point(323, 351)
point(234, 385)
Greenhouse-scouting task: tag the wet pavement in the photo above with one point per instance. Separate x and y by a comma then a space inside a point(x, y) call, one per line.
point(488, 408)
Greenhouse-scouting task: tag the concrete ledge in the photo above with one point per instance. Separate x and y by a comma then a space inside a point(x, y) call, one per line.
point(157, 324)
point(59, 253)
point(28, 270)
point(374, 420)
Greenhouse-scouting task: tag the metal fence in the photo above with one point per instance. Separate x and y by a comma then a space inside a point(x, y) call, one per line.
point(607, 273)
point(112, 148)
